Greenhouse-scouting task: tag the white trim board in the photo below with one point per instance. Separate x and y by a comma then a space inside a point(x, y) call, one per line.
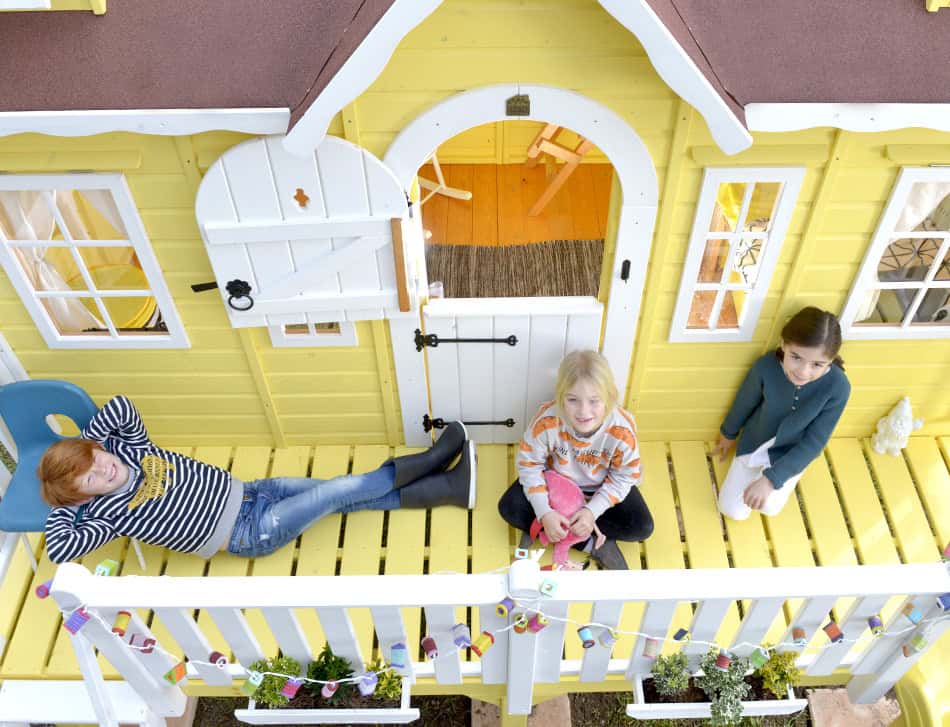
point(619, 142)
point(674, 66)
point(161, 122)
point(847, 116)
point(672, 63)
point(357, 73)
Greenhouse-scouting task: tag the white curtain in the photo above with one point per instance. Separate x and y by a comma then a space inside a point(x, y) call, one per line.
point(31, 219)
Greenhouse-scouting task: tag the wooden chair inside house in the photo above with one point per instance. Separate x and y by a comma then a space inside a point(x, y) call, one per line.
point(545, 143)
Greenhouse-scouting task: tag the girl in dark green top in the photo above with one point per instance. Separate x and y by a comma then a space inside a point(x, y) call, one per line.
point(786, 409)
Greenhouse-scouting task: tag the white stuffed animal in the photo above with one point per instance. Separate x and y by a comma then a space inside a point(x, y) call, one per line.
point(894, 429)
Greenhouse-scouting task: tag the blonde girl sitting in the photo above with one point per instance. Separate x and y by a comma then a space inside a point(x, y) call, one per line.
point(586, 436)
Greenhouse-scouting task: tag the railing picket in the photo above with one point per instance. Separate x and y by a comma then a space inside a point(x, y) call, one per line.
point(597, 658)
point(759, 616)
point(93, 681)
point(391, 629)
point(156, 661)
point(290, 636)
point(551, 641)
point(811, 615)
point(495, 661)
point(341, 636)
point(706, 624)
point(883, 646)
point(237, 632)
point(194, 644)
point(522, 661)
point(439, 622)
point(853, 625)
point(656, 620)
point(868, 688)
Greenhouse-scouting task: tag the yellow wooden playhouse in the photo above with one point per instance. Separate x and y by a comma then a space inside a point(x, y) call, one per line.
point(230, 212)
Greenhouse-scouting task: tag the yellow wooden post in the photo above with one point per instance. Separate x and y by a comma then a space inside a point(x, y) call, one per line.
point(263, 389)
point(387, 389)
point(351, 124)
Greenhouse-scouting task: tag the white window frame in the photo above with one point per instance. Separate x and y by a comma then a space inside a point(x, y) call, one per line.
point(867, 274)
point(137, 239)
point(279, 337)
point(791, 180)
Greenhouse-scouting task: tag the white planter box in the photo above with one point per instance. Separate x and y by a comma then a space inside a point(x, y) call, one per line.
point(685, 710)
point(403, 714)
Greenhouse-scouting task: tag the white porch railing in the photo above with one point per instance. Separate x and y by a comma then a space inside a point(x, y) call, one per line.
point(518, 660)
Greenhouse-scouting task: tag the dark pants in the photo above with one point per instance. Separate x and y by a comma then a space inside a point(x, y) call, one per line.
point(627, 520)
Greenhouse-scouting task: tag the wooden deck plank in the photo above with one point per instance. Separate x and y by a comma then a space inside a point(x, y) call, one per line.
point(485, 204)
point(749, 548)
point(362, 544)
point(933, 481)
point(490, 549)
point(511, 216)
point(871, 533)
point(459, 224)
point(702, 523)
point(35, 631)
point(911, 529)
point(223, 564)
point(16, 588)
point(405, 555)
point(288, 462)
point(435, 212)
point(664, 549)
point(318, 544)
point(582, 205)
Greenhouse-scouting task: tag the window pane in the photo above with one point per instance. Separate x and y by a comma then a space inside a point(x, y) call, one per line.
point(762, 206)
point(48, 268)
point(943, 270)
point(731, 312)
point(907, 259)
point(296, 329)
point(748, 256)
point(927, 208)
point(72, 315)
point(701, 308)
point(91, 214)
point(728, 204)
point(113, 268)
point(713, 261)
point(887, 307)
point(25, 216)
point(132, 312)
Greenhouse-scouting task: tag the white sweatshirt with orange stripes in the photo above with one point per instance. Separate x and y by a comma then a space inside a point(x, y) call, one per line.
point(604, 465)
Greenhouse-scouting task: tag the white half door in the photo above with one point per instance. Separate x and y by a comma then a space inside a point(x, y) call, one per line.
point(486, 383)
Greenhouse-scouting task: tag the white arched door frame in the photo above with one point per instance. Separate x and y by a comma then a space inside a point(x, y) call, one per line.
point(619, 142)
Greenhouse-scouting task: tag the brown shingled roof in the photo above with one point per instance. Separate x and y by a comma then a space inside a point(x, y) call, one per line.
point(182, 54)
point(179, 54)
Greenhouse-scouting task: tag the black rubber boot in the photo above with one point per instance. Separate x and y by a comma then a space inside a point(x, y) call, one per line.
point(455, 487)
point(609, 557)
point(435, 459)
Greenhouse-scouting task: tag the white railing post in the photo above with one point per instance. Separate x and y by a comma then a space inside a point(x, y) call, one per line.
point(597, 658)
point(853, 625)
point(181, 625)
point(656, 620)
point(706, 623)
point(390, 629)
point(338, 629)
point(894, 635)
point(810, 617)
point(447, 666)
point(524, 579)
point(92, 678)
point(756, 623)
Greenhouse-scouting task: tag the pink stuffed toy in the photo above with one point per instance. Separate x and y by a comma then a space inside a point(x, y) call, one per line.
point(566, 498)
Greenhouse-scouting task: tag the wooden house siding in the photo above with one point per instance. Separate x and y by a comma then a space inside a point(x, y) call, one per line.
point(234, 388)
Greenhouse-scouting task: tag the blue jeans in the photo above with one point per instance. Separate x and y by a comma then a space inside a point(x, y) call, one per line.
point(276, 510)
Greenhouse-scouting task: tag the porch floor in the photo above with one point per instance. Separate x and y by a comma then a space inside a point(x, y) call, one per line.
point(853, 506)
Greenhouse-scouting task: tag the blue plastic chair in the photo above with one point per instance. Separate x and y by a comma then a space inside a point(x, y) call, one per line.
point(24, 406)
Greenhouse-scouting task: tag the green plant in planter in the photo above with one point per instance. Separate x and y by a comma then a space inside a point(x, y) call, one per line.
point(390, 682)
point(328, 667)
point(726, 688)
point(670, 675)
point(269, 691)
point(779, 672)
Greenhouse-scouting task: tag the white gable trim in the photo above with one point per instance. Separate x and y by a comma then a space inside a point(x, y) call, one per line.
point(847, 116)
point(675, 67)
point(163, 122)
point(359, 71)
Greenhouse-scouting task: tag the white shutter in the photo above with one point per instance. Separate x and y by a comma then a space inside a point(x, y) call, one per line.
point(312, 236)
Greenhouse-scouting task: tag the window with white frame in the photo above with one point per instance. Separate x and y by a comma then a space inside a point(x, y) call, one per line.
point(741, 218)
point(313, 334)
point(76, 251)
point(903, 287)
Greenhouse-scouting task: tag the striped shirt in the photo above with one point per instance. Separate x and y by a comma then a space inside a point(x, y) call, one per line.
point(174, 501)
point(604, 465)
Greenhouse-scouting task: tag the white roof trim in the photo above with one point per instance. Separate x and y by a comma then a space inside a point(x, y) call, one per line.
point(359, 71)
point(847, 116)
point(163, 122)
point(675, 67)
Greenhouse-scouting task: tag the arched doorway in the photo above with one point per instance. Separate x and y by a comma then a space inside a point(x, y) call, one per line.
point(632, 236)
